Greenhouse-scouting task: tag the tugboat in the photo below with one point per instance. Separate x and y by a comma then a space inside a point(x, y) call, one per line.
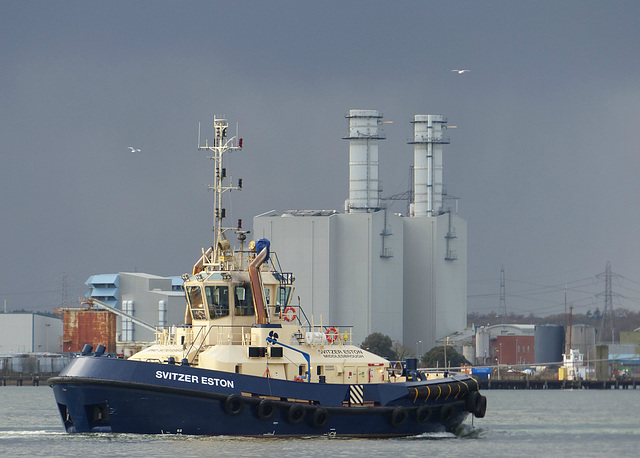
point(250, 362)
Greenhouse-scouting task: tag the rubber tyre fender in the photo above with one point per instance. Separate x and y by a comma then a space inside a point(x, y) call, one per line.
point(482, 407)
point(398, 416)
point(423, 414)
point(233, 405)
point(473, 400)
point(295, 414)
point(446, 413)
point(320, 417)
point(265, 410)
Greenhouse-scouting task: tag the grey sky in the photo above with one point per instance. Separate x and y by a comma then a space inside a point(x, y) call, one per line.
point(545, 157)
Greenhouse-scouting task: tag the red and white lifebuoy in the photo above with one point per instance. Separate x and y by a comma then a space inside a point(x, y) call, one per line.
point(289, 314)
point(331, 334)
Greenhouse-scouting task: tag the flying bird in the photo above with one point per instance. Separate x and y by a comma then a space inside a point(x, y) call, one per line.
point(134, 150)
point(460, 72)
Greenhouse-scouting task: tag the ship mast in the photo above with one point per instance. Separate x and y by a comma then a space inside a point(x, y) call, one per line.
point(222, 255)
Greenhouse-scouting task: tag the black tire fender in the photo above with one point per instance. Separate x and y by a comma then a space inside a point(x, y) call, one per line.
point(473, 399)
point(398, 416)
point(423, 413)
point(482, 407)
point(295, 414)
point(233, 404)
point(446, 413)
point(320, 417)
point(265, 410)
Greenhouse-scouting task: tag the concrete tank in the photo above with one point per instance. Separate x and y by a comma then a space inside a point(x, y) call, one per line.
point(549, 344)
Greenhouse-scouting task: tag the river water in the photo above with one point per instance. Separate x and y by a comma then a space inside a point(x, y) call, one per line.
point(579, 423)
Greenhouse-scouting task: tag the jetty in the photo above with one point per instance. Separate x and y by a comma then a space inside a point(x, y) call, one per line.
point(534, 384)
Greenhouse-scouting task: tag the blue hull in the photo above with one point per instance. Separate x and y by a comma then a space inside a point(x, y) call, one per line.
point(100, 394)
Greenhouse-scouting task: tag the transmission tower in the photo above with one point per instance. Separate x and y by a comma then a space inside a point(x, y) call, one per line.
point(607, 275)
point(503, 302)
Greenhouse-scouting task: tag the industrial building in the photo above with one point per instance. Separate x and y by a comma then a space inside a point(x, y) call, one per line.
point(30, 333)
point(402, 275)
point(152, 299)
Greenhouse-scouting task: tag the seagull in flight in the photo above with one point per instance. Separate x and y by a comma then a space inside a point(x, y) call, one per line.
point(134, 150)
point(460, 72)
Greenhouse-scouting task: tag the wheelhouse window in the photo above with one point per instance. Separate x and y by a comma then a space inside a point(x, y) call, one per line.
point(282, 297)
point(243, 300)
point(218, 300)
point(196, 301)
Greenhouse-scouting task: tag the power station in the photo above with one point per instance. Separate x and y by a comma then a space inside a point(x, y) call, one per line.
point(402, 275)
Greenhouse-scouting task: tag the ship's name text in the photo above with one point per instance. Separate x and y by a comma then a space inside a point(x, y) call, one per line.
point(188, 378)
point(337, 353)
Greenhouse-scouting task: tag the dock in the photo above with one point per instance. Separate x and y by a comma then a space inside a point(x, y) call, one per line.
point(558, 384)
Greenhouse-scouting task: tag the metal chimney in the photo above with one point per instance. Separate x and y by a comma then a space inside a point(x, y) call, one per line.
point(364, 186)
point(427, 164)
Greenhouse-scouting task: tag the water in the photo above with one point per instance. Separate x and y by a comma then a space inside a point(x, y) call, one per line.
point(585, 423)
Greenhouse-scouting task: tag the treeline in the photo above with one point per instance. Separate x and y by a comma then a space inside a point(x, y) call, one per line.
point(623, 320)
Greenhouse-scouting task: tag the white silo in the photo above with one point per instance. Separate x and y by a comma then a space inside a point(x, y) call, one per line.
point(482, 345)
point(364, 187)
point(427, 167)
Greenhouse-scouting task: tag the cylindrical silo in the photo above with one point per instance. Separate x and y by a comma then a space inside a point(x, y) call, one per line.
point(364, 185)
point(583, 338)
point(427, 144)
point(482, 345)
point(549, 344)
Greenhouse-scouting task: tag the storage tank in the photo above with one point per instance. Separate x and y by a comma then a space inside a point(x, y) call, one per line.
point(583, 338)
point(549, 344)
point(482, 345)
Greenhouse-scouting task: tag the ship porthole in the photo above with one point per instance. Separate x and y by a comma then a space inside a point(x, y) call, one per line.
point(295, 414)
point(423, 413)
point(233, 405)
point(446, 413)
point(399, 416)
point(265, 410)
point(320, 417)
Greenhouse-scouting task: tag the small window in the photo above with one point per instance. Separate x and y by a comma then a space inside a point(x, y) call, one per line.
point(282, 298)
point(243, 301)
point(194, 295)
point(218, 300)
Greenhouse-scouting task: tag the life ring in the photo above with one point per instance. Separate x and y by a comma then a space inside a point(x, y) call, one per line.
point(320, 417)
point(331, 334)
point(233, 405)
point(265, 410)
point(295, 414)
point(398, 416)
point(423, 413)
point(289, 314)
point(446, 413)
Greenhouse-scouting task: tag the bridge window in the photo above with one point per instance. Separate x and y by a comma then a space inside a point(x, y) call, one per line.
point(243, 300)
point(282, 298)
point(194, 294)
point(218, 300)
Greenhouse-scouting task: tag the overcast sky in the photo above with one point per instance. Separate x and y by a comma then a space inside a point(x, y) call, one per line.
point(545, 159)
